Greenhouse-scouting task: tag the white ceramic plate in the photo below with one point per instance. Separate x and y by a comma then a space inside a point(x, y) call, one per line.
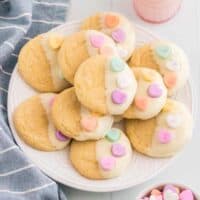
point(57, 164)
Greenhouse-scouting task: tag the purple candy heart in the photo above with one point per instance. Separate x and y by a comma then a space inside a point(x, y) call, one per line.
point(154, 90)
point(118, 97)
point(61, 137)
point(118, 150)
point(119, 35)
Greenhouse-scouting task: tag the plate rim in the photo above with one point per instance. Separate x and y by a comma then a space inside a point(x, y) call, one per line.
point(61, 180)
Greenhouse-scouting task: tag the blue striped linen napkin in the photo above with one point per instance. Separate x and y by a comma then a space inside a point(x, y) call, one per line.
point(20, 20)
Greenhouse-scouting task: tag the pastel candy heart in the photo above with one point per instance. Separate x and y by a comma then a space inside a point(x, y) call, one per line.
point(111, 21)
point(97, 41)
point(186, 195)
point(154, 90)
point(156, 192)
point(170, 187)
point(152, 197)
point(118, 97)
point(123, 80)
point(107, 163)
point(170, 79)
point(147, 76)
point(89, 123)
point(172, 65)
point(117, 65)
point(61, 137)
point(107, 50)
point(164, 136)
point(118, 150)
point(170, 195)
point(173, 120)
point(118, 35)
point(155, 197)
point(141, 103)
point(113, 135)
point(163, 51)
point(123, 53)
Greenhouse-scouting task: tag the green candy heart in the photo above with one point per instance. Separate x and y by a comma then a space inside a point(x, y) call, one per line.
point(163, 51)
point(117, 65)
point(113, 135)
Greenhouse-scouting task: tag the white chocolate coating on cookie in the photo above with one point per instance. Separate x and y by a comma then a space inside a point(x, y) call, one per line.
point(125, 46)
point(173, 64)
point(104, 123)
point(46, 100)
point(150, 97)
point(122, 81)
point(51, 54)
point(103, 149)
point(177, 121)
point(102, 41)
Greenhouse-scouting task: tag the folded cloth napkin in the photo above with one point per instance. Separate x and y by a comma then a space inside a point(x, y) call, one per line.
point(20, 20)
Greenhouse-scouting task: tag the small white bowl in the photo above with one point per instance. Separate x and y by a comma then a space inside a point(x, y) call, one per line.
point(160, 185)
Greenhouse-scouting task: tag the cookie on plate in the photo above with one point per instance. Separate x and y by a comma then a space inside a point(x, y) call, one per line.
point(163, 135)
point(38, 65)
point(105, 85)
point(33, 124)
point(117, 27)
point(151, 95)
point(102, 159)
point(79, 46)
point(77, 122)
point(168, 59)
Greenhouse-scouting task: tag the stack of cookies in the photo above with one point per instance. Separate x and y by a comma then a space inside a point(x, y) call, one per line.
point(94, 78)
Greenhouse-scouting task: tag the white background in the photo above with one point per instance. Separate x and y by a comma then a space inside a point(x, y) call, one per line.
point(184, 30)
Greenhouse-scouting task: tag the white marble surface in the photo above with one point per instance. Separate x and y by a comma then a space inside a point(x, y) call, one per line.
point(184, 29)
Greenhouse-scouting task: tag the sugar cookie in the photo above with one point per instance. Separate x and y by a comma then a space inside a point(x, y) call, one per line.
point(105, 85)
point(77, 122)
point(102, 159)
point(118, 27)
point(38, 66)
point(150, 97)
point(168, 59)
point(163, 135)
point(80, 46)
point(33, 123)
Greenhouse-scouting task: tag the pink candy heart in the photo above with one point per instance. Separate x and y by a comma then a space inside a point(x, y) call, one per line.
point(164, 137)
point(97, 41)
point(186, 195)
point(107, 163)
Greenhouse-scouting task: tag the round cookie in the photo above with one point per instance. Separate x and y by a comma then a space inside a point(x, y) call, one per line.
point(163, 135)
point(38, 65)
point(79, 46)
point(103, 159)
point(77, 122)
point(117, 27)
point(34, 125)
point(151, 95)
point(168, 59)
point(105, 85)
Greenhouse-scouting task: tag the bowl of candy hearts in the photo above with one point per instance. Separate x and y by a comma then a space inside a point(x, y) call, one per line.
point(169, 191)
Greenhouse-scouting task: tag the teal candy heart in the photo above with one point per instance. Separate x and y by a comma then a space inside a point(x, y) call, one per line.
point(113, 135)
point(163, 51)
point(117, 65)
